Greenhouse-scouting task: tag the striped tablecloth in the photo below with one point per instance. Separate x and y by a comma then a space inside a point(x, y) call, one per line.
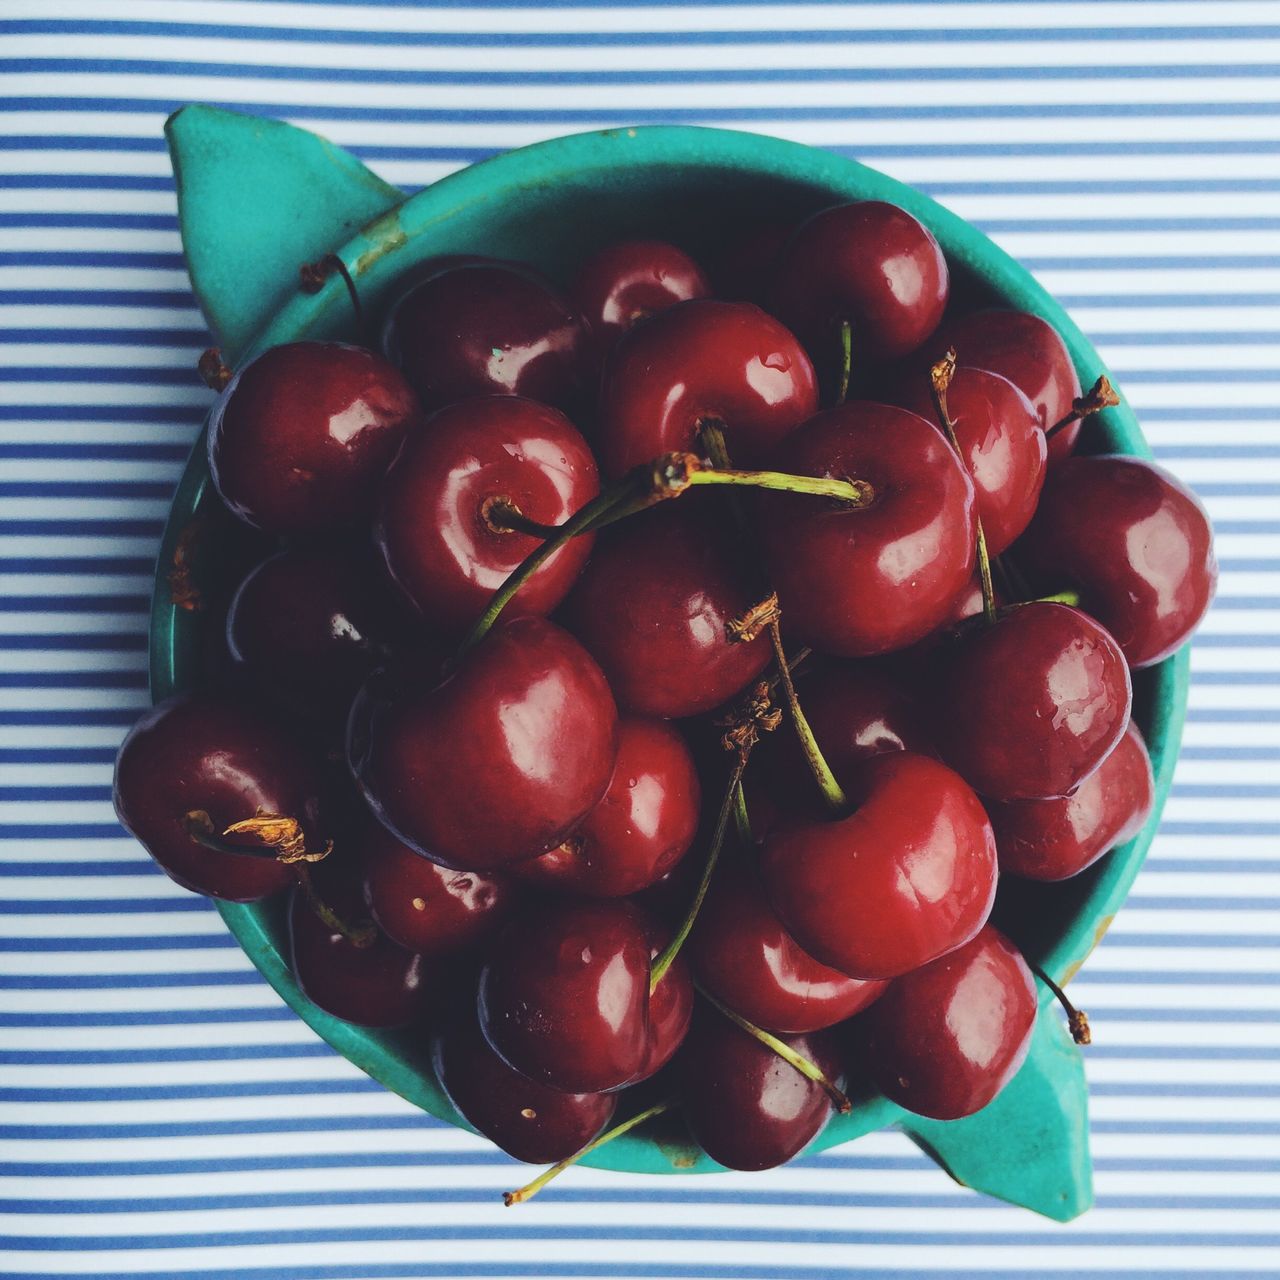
point(161, 1112)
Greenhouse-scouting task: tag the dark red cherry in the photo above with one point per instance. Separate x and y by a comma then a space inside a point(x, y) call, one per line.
point(439, 521)
point(742, 955)
point(906, 877)
point(628, 281)
point(652, 606)
point(477, 327)
point(500, 761)
point(640, 829)
point(300, 438)
point(670, 1005)
point(527, 1120)
point(1031, 705)
point(1027, 351)
point(1136, 543)
point(745, 1106)
point(865, 580)
point(213, 753)
point(869, 263)
point(702, 361)
point(1055, 839)
point(944, 1040)
point(424, 906)
point(1001, 442)
point(564, 994)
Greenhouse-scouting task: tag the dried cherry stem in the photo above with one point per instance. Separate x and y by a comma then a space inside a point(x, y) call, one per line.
point(711, 435)
point(213, 370)
point(1077, 1019)
point(1102, 395)
point(810, 1070)
point(183, 591)
point(940, 376)
point(846, 361)
point(312, 277)
point(531, 1189)
point(501, 515)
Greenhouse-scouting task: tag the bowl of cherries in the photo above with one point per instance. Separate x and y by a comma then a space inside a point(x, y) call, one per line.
point(669, 652)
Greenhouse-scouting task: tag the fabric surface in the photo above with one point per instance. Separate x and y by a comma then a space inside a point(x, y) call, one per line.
point(161, 1111)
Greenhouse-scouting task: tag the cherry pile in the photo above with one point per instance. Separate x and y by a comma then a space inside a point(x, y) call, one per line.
point(641, 689)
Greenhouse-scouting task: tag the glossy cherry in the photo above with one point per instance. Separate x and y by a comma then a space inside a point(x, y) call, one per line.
point(1029, 706)
point(1135, 542)
point(624, 283)
point(859, 580)
point(480, 327)
point(906, 877)
point(1058, 838)
point(216, 754)
point(652, 607)
point(641, 828)
point(743, 955)
point(745, 1106)
point(704, 361)
point(529, 1121)
point(301, 436)
point(500, 761)
point(1002, 444)
point(439, 521)
point(944, 1040)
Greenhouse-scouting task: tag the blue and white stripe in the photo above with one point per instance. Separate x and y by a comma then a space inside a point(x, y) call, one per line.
point(161, 1113)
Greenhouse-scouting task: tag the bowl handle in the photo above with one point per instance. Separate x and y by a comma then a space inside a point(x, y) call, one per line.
point(1031, 1145)
point(256, 199)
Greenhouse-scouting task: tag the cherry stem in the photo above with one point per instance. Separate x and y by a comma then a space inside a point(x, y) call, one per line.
point(364, 933)
point(857, 493)
point(711, 434)
point(846, 361)
point(1077, 1019)
point(940, 376)
point(810, 1070)
point(502, 515)
point(184, 592)
point(531, 1189)
point(741, 817)
point(312, 277)
point(1059, 597)
point(213, 371)
point(1102, 395)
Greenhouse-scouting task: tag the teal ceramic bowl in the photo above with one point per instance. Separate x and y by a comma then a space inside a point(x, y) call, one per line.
point(257, 198)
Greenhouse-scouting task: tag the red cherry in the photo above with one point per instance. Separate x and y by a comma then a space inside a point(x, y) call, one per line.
point(479, 327)
point(698, 362)
point(438, 529)
point(909, 875)
point(742, 955)
point(944, 1040)
point(670, 1005)
point(300, 438)
point(1136, 543)
point(1055, 839)
point(864, 580)
point(500, 761)
point(1029, 706)
point(746, 1107)
point(641, 828)
point(527, 1120)
point(653, 604)
point(424, 906)
point(1001, 442)
point(209, 752)
point(626, 282)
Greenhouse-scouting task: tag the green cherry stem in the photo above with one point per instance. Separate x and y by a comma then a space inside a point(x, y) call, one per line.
point(846, 361)
point(1077, 1019)
point(1059, 597)
point(857, 493)
point(741, 816)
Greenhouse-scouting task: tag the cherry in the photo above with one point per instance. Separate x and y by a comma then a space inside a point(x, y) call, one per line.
point(670, 1005)
point(1058, 838)
point(859, 580)
point(444, 515)
point(906, 877)
point(498, 762)
point(625, 282)
point(1029, 706)
point(702, 362)
point(469, 326)
point(1002, 444)
point(300, 437)
point(527, 1120)
point(746, 1107)
point(1135, 542)
point(424, 906)
point(207, 753)
point(742, 955)
point(641, 828)
point(653, 604)
point(944, 1040)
